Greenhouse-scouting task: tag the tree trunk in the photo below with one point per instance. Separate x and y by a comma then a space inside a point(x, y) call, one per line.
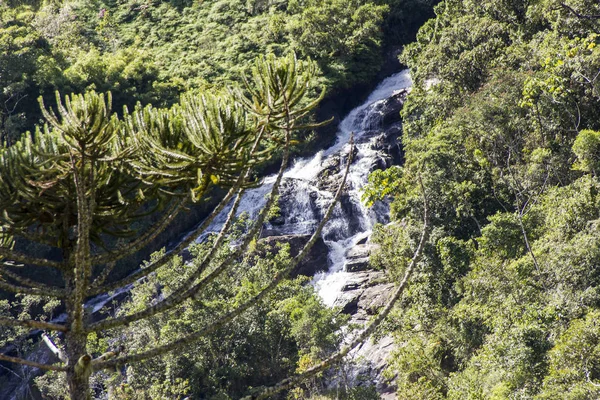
point(79, 366)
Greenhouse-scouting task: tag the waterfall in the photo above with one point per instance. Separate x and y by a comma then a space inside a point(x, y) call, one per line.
point(305, 193)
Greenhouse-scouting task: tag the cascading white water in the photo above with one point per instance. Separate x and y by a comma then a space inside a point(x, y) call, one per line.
point(304, 200)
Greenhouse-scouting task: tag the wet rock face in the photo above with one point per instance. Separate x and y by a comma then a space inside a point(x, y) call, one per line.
point(302, 202)
point(358, 257)
point(362, 297)
point(364, 294)
point(327, 178)
point(298, 208)
point(392, 107)
point(382, 115)
point(315, 261)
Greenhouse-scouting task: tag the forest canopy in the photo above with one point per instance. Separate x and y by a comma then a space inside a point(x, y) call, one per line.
point(503, 122)
point(152, 51)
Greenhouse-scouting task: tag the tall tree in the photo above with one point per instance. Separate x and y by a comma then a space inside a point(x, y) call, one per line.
point(89, 175)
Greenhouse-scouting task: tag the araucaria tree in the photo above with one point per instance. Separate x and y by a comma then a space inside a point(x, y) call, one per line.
point(81, 184)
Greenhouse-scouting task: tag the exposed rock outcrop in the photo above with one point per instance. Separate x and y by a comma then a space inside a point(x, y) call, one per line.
point(358, 257)
point(364, 294)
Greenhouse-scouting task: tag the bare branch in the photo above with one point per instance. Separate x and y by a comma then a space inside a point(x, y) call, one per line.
point(55, 350)
point(19, 98)
point(32, 237)
point(20, 257)
point(47, 326)
point(103, 275)
point(182, 294)
point(31, 286)
point(232, 213)
point(11, 372)
point(192, 236)
point(108, 355)
point(32, 363)
point(176, 297)
point(578, 15)
point(27, 290)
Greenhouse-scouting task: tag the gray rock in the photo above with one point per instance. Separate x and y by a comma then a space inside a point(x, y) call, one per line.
point(393, 106)
point(350, 286)
point(365, 293)
point(348, 302)
point(316, 260)
point(363, 240)
point(358, 257)
point(357, 264)
point(375, 297)
point(360, 251)
point(370, 361)
point(359, 280)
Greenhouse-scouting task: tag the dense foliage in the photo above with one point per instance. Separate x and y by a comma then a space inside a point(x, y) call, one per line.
point(287, 331)
point(152, 51)
point(502, 127)
point(155, 57)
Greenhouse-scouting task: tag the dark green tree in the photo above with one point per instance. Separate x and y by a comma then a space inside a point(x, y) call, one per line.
point(88, 176)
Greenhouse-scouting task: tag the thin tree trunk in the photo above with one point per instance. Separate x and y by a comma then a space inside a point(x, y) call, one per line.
point(78, 367)
point(78, 361)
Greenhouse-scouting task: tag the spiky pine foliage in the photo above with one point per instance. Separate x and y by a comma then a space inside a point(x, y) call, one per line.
point(82, 143)
point(203, 140)
point(278, 94)
point(88, 175)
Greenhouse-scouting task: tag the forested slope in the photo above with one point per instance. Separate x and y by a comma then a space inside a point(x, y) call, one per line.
point(502, 129)
point(152, 51)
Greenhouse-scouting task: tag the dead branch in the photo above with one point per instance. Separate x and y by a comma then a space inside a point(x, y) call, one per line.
point(6, 321)
point(32, 363)
point(55, 350)
point(579, 15)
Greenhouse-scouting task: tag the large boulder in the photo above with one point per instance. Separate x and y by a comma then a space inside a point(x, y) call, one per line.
point(392, 107)
point(357, 265)
point(357, 258)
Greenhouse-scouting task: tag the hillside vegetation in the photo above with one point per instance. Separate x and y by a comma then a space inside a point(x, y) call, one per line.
point(501, 137)
point(152, 51)
point(161, 53)
point(502, 127)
